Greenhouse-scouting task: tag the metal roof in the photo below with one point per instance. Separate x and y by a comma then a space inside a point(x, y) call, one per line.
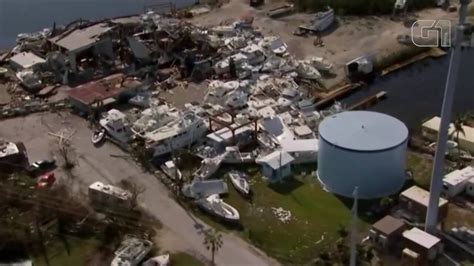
point(388, 225)
point(363, 131)
point(277, 159)
point(26, 59)
point(420, 196)
point(421, 238)
point(81, 38)
point(459, 176)
point(102, 89)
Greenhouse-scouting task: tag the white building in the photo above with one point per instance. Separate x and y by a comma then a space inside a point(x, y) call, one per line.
point(456, 182)
point(101, 195)
point(302, 150)
point(466, 141)
point(426, 245)
point(25, 60)
point(276, 165)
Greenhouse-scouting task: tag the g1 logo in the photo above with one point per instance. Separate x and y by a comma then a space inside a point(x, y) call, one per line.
point(431, 33)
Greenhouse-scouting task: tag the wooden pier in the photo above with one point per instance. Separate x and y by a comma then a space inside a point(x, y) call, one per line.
point(337, 94)
point(369, 101)
point(433, 53)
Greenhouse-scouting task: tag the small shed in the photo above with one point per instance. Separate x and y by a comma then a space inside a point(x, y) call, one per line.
point(456, 182)
point(276, 165)
point(426, 245)
point(415, 201)
point(386, 232)
point(25, 60)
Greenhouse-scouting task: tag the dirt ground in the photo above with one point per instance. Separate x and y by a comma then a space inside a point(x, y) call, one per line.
point(348, 39)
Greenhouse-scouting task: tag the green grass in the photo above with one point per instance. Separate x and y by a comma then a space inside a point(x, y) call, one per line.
point(184, 259)
point(316, 215)
point(421, 166)
point(81, 251)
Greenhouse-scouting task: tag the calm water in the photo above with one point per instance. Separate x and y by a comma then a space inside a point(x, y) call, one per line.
point(414, 93)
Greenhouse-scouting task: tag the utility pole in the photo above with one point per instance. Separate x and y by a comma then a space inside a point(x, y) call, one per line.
point(354, 228)
point(446, 112)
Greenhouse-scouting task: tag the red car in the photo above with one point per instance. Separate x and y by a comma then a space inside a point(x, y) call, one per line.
point(46, 180)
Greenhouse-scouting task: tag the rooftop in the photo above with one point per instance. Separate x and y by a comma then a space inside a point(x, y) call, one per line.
point(421, 238)
point(420, 196)
point(388, 225)
point(363, 131)
point(225, 133)
point(102, 89)
point(277, 159)
point(301, 145)
point(111, 190)
point(459, 176)
point(81, 38)
point(434, 123)
point(26, 59)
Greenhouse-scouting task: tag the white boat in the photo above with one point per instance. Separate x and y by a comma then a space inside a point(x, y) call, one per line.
point(162, 260)
point(200, 189)
point(321, 21)
point(171, 170)
point(175, 135)
point(254, 54)
point(337, 107)
point(158, 115)
point(321, 64)
point(209, 166)
point(234, 156)
point(29, 79)
point(239, 181)
point(116, 126)
point(289, 96)
point(215, 206)
point(400, 4)
point(131, 252)
point(307, 71)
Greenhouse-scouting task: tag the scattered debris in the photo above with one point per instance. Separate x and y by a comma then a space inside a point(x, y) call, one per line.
point(283, 215)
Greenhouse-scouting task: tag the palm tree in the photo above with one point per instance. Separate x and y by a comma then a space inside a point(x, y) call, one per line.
point(213, 241)
point(458, 129)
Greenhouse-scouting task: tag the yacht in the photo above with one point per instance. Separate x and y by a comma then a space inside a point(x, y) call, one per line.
point(289, 96)
point(215, 206)
point(158, 115)
point(175, 135)
point(114, 124)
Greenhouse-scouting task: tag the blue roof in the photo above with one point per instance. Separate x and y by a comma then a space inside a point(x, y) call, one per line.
point(363, 131)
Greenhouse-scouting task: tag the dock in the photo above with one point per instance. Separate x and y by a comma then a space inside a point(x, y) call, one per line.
point(337, 94)
point(433, 53)
point(369, 101)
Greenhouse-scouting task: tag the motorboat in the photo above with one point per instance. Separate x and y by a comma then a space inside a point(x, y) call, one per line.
point(171, 170)
point(320, 22)
point(131, 252)
point(115, 125)
point(254, 54)
point(272, 63)
point(209, 166)
point(158, 115)
point(337, 107)
point(30, 80)
point(232, 155)
point(215, 206)
point(307, 71)
point(239, 181)
point(289, 96)
point(200, 189)
point(279, 47)
point(177, 134)
point(162, 260)
point(321, 64)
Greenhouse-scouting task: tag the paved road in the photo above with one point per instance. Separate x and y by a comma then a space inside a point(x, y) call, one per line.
point(180, 227)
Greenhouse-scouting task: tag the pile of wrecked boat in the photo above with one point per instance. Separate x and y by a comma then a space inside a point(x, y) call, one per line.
point(259, 97)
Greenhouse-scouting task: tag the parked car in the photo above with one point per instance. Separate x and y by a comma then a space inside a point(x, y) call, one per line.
point(40, 167)
point(46, 180)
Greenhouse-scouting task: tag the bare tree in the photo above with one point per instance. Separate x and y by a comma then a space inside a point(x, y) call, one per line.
point(134, 189)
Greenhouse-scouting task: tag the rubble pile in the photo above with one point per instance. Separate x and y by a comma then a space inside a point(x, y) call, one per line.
point(283, 215)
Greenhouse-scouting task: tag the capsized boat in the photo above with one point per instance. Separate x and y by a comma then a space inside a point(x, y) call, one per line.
point(239, 181)
point(215, 206)
point(171, 170)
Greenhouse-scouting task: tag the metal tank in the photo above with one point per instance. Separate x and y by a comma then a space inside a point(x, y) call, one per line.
point(362, 149)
